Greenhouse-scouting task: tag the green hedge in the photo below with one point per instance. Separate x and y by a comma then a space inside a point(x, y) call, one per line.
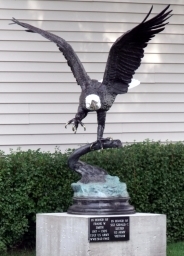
point(33, 182)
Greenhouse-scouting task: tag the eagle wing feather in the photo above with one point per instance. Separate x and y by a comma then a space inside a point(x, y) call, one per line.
point(126, 53)
point(72, 59)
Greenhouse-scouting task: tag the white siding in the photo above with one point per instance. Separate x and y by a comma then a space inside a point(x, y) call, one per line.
point(38, 93)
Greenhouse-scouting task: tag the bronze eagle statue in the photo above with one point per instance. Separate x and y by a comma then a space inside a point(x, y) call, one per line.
point(124, 58)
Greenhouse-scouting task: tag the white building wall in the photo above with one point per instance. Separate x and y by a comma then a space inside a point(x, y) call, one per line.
point(38, 93)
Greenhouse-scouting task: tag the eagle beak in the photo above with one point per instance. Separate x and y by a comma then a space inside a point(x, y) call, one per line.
point(93, 105)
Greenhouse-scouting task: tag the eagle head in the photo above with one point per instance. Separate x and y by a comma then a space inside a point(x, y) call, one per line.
point(93, 102)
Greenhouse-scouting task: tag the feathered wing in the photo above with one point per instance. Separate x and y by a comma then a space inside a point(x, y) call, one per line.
point(72, 59)
point(126, 53)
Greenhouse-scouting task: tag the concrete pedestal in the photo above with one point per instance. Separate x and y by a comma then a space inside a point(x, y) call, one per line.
point(62, 234)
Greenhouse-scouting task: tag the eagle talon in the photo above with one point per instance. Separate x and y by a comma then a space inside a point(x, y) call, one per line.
point(100, 141)
point(74, 129)
point(66, 125)
point(91, 146)
point(75, 123)
point(83, 126)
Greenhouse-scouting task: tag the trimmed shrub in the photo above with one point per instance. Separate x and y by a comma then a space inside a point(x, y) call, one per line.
point(31, 182)
point(34, 182)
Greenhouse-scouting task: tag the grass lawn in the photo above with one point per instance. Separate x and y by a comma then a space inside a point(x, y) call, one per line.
point(175, 249)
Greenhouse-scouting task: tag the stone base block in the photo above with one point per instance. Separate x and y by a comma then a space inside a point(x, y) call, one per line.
point(62, 234)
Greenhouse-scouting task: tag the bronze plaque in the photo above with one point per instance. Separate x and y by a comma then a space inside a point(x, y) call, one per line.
point(104, 229)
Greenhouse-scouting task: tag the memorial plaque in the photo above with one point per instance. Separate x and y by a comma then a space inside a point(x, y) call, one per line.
point(104, 229)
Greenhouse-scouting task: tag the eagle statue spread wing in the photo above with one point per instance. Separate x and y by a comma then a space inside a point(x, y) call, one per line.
point(124, 58)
